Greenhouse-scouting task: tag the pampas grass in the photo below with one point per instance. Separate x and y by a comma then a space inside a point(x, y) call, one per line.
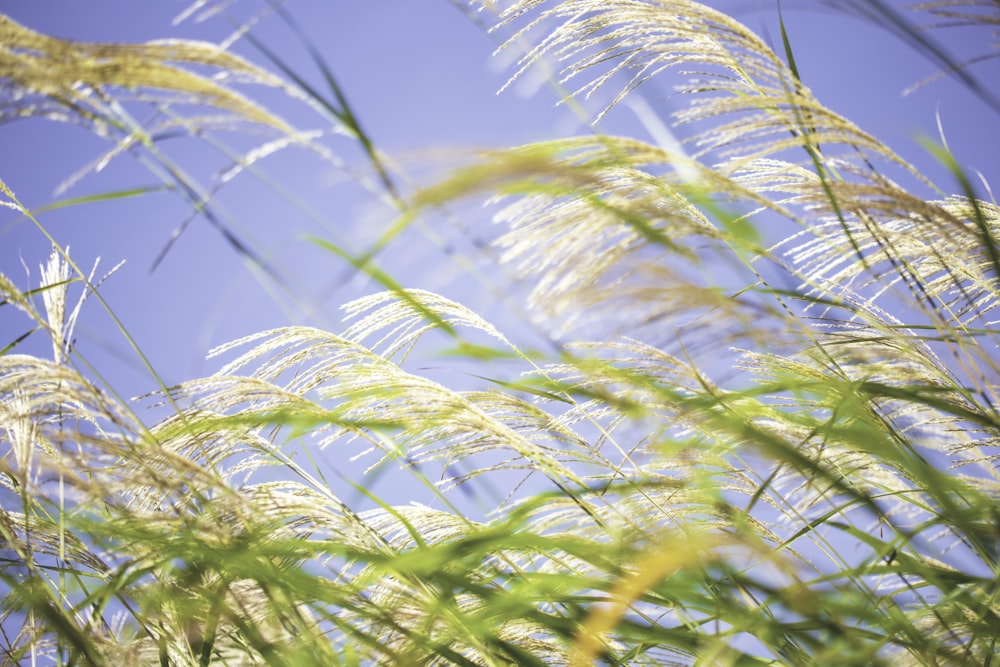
point(749, 449)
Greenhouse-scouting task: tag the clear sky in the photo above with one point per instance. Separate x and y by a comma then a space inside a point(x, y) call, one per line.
point(420, 77)
point(423, 83)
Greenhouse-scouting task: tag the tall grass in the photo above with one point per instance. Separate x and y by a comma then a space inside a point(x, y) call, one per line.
point(768, 434)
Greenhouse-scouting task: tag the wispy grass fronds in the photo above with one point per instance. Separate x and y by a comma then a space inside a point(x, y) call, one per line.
point(65, 80)
point(768, 436)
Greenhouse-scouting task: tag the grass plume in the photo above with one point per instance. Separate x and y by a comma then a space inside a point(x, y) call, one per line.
point(768, 434)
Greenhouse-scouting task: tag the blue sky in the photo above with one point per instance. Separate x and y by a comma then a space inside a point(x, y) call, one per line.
point(421, 78)
point(413, 90)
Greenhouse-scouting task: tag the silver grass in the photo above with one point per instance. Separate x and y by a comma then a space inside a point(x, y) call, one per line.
point(39, 70)
point(813, 463)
